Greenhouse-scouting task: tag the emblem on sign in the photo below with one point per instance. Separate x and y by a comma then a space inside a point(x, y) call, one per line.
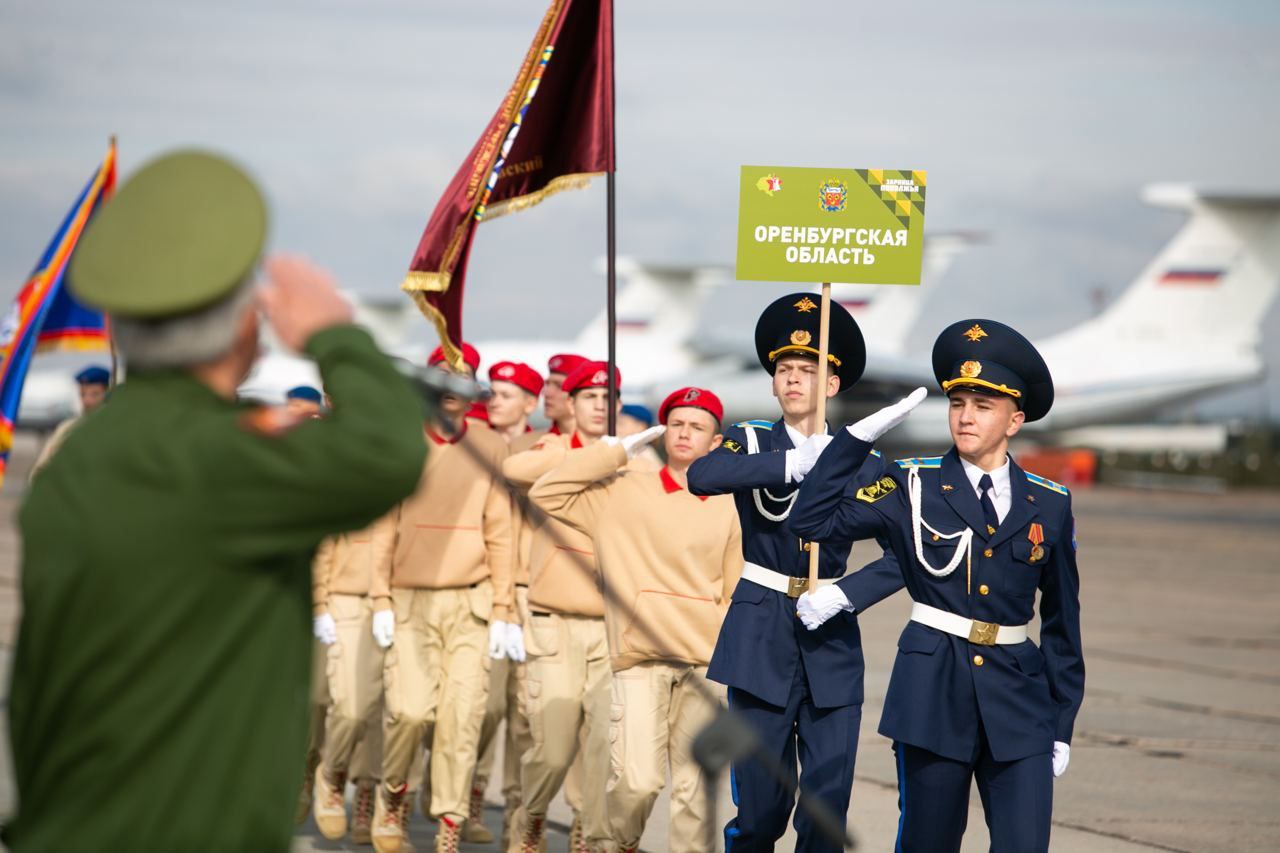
point(801, 338)
point(805, 305)
point(970, 369)
point(976, 333)
point(769, 184)
point(833, 195)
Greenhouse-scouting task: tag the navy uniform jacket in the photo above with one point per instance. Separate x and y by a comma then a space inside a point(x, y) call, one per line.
point(762, 640)
point(1025, 697)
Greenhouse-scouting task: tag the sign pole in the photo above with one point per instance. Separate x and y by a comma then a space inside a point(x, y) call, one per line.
point(824, 329)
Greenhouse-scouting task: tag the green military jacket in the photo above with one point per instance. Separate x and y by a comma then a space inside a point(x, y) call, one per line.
point(159, 695)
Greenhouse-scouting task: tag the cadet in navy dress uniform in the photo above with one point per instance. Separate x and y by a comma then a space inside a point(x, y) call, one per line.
point(975, 536)
point(801, 690)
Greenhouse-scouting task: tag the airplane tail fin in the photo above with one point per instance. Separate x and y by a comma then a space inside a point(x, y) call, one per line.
point(658, 310)
point(889, 312)
point(1207, 291)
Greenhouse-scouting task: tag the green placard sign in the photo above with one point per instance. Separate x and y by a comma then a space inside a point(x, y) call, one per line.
point(859, 226)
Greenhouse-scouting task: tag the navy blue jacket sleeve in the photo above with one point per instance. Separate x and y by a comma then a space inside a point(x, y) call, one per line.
point(826, 509)
point(874, 582)
point(729, 467)
point(1060, 628)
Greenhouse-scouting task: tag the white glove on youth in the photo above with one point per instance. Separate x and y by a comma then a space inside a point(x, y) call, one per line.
point(801, 460)
point(1061, 755)
point(633, 444)
point(878, 423)
point(497, 640)
point(515, 642)
point(325, 629)
point(816, 607)
point(384, 628)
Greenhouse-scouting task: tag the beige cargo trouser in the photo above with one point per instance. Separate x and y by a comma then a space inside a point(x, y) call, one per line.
point(354, 668)
point(437, 672)
point(657, 710)
point(506, 678)
point(566, 694)
point(318, 705)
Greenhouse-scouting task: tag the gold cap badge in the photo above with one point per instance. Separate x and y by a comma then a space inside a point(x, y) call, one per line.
point(975, 334)
point(801, 338)
point(970, 369)
point(805, 305)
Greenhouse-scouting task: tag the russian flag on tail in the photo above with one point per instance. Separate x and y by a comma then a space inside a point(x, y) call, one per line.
point(44, 316)
point(1193, 277)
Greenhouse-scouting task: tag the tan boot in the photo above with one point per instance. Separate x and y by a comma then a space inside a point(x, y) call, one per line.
point(406, 812)
point(509, 821)
point(330, 806)
point(448, 835)
point(390, 826)
point(531, 836)
point(362, 813)
point(474, 831)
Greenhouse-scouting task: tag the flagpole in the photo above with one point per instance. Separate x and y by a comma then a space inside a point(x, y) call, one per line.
point(611, 217)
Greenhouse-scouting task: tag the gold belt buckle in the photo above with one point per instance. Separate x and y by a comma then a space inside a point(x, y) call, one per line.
point(983, 633)
point(796, 586)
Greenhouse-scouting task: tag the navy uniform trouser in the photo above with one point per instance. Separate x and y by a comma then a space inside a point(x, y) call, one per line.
point(826, 742)
point(933, 800)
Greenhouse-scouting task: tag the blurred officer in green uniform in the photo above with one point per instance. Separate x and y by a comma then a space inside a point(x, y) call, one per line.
point(159, 695)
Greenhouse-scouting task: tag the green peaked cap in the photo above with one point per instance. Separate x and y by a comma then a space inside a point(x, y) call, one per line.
point(182, 232)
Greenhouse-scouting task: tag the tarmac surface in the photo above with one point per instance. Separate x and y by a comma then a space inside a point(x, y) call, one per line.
point(1177, 747)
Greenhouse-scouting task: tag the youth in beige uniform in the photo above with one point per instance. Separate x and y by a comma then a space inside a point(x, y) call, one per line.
point(670, 561)
point(515, 390)
point(449, 585)
point(345, 566)
point(92, 384)
point(566, 691)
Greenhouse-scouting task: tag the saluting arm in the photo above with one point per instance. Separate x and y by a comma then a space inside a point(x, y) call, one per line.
point(523, 469)
point(572, 492)
point(1060, 639)
point(826, 510)
point(730, 467)
point(288, 491)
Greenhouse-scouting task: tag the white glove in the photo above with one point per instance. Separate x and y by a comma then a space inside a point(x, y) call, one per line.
point(497, 640)
point(515, 642)
point(633, 444)
point(821, 604)
point(1061, 755)
point(384, 628)
point(325, 629)
point(874, 425)
point(801, 460)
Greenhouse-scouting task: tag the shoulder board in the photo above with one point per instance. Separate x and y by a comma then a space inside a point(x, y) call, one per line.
point(920, 462)
point(1046, 483)
point(755, 424)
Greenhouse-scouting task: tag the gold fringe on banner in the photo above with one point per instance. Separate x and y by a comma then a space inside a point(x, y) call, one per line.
point(524, 202)
point(417, 284)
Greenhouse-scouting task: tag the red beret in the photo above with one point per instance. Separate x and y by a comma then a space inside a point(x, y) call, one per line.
point(470, 357)
point(696, 398)
point(564, 363)
point(517, 373)
point(590, 374)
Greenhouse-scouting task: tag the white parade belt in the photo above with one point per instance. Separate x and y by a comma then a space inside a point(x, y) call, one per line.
point(976, 632)
point(791, 585)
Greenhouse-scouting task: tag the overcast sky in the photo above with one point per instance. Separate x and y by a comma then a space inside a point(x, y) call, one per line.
point(1038, 123)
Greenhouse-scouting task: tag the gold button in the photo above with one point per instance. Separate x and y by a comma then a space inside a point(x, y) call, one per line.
point(808, 546)
point(983, 590)
point(936, 537)
point(988, 553)
point(977, 660)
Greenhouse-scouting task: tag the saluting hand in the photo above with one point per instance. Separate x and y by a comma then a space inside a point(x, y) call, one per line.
point(633, 444)
point(876, 424)
point(300, 299)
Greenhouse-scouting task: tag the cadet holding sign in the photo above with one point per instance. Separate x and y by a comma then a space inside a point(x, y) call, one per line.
point(800, 687)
